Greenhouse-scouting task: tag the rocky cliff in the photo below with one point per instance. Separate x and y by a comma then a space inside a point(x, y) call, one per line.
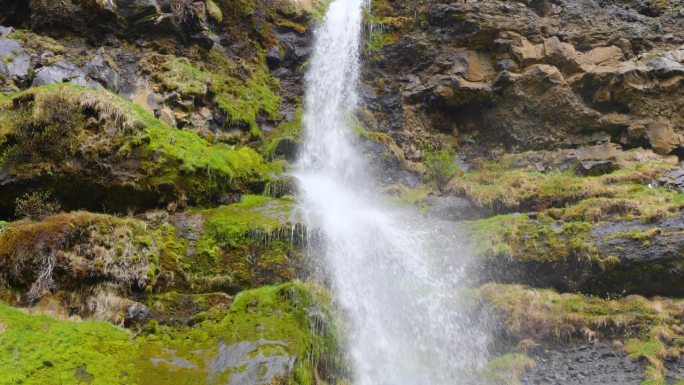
point(144, 143)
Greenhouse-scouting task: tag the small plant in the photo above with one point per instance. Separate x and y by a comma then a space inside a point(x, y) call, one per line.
point(182, 10)
point(36, 205)
point(440, 165)
point(49, 126)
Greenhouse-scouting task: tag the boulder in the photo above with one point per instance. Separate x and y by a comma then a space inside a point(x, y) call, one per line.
point(133, 10)
point(662, 137)
point(273, 57)
point(137, 315)
point(14, 64)
point(561, 55)
point(664, 66)
point(596, 167)
point(9, 47)
point(673, 180)
point(99, 70)
point(59, 72)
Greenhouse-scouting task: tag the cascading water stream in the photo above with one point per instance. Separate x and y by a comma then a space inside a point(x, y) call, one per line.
point(394, 273)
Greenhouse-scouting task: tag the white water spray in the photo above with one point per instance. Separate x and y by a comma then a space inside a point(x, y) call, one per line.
point(395, 274)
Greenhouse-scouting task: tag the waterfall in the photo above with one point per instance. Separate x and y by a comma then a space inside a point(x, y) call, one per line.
point(396, 275)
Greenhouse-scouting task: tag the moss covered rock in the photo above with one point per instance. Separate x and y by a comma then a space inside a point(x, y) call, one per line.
point(252, 242)
point(577, 232)
point(648, 330)
point(281, 334)
point(112, 154)
point(81, 251)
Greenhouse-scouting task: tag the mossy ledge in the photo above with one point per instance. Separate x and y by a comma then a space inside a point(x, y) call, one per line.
point(114, 155)
point(648, 330)
point(246, 244)
point(613, 233)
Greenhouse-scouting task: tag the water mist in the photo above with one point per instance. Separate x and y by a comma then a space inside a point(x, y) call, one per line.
point(395, 274)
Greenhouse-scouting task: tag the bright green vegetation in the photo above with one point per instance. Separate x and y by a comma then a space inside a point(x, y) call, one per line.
point(249, 243)
point(180, 75)
point(214, 11)
point(382, 14)
point(294, 318)
point(653, 329)
point(386, 26)
point(244, 101)
point(542, 239)
point(242, 245)
point(244, 91)
point(287, 132)
point(441, 166)
point(498, 186)
point(567, 208)
point(5, 100)
point(40, 350)
point(51, 123)
point(378, 40)
point(507, 369)
point(288, 10)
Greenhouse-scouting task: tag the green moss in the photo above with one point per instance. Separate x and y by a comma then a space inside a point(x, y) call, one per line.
point(171, 158)
point(243, 90)
point(214, 11)
point(249, 241)
point(653, 350)
point(230, 224)
point(568, 207)
point(645, 237)
point(245, 101)
point(440, 165)
point(100, 246)
point(237, 8)
point(290, 131)
point(280, 314)
point(5, 100)
point(379, 39)
point(507, 369)
point(523, 239)
point(179, 74)
point(36, 42)
point(497, 186)
point(295, 317)
point(41, 350)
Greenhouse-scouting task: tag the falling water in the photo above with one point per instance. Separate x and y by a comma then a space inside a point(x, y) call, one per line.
point(394, 273)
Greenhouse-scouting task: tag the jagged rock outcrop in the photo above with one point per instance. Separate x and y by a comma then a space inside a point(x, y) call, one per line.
point(523, 75)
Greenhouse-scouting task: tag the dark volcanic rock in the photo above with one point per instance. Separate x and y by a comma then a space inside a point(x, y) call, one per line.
point(537, 74)
point(651, 257)
point(596, 167)
point(673, 180)
point(582, 364)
